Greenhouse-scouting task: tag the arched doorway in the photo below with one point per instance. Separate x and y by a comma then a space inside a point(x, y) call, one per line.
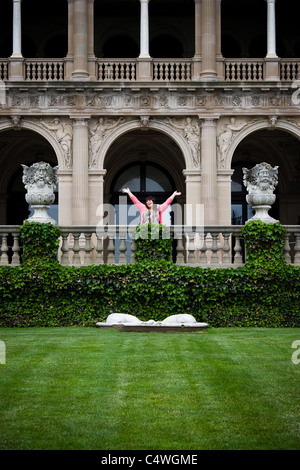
point(149, 162)
point(278, 148)
point(143, 179)
point(20, 147)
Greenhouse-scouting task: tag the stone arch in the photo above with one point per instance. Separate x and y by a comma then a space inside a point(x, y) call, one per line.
point(276, 141)
point(37, 127)
point(22, 144)
point(154, 124)
point(254, 125)
point(34, 126)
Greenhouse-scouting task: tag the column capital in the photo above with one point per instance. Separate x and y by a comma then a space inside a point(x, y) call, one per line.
point(271, 1)
point(208, 121)
point(79, 120)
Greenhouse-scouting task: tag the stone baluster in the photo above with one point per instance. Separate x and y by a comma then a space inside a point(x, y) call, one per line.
point(297, 249)
point(238, 259)
point(4, 250)
point(122, 247)
point(111, 248)
point(191, 248)
point(179, 246)
point(226, 249)
point(287, 248)
point(15, 261)
point(133, 250)
point(203, 249)
point(65, 249)
point(76, 248)
point(214, 248)
point(88, 249)
point(99, 247)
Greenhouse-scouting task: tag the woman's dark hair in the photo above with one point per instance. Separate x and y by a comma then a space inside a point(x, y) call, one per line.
point(151, 198)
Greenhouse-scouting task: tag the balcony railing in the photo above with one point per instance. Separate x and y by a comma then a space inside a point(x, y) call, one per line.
point(44, 70)
point(172, 70)
point(162, 70)
point(211, 246)
point(4, 69)
point(117, 70)
point(245, 70)
point(289, 70)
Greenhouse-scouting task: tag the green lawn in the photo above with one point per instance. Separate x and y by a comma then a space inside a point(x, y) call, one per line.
point(86, 388)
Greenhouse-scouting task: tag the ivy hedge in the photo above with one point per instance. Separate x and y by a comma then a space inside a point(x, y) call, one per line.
point(40, 292)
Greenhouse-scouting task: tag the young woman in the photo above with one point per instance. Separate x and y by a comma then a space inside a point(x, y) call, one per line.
point(150, 212)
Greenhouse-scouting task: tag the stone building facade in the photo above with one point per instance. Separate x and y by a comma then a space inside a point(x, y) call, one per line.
point(156, 95)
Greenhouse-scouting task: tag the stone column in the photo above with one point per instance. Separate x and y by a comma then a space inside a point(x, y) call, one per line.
point(91, 55)
point(208, 33)
point(209, 170)
point(70, 55)
point(65, 196)
point(272, 64)
point(80, 40)
point(219, 56)
point(144, 31)
point(16, 59)
point(144, 60)
point(96, 191)
point(80, 171)
point(197, 56)
point(17, 29)
point(193, 207)
point(224, 196)
point(271, 24)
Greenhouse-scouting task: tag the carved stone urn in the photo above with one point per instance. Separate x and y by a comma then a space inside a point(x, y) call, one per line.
point(40, 180)
point(261, 182)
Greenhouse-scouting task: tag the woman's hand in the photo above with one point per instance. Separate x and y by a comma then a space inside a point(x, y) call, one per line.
point(127, 191)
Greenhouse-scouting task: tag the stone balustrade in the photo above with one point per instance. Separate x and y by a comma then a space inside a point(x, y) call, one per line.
point(246, 70)
point(210, 246)
point(117, 70)
point(10, 245)
point(44, 70)
point(162, 70)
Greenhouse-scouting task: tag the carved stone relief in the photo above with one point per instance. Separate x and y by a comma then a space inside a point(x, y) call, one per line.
point(98, 130)
point(189, 128)
point(63, 132)
point(226, 137)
